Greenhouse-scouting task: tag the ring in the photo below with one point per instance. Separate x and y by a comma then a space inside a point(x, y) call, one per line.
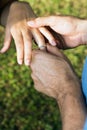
point(42, 47)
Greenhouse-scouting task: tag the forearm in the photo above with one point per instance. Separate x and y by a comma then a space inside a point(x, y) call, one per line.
point(4, 10)
point(73, 110)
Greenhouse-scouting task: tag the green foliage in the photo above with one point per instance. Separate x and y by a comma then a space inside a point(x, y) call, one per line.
point(21, 106)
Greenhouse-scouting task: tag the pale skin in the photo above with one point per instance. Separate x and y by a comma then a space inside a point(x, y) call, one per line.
point(14, 18)
point(56, 78)
point(73, 30)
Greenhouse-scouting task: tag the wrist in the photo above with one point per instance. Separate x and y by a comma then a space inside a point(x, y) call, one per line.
point(22, 8)
point(71, 104)
point(23, 12)
point(4, 10)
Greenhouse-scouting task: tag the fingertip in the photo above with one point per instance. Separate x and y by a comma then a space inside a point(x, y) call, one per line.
point(53, 43)
point(6, 46)
point(3, 50)
point(27, 59)
point(27, 62)
point(20, 62)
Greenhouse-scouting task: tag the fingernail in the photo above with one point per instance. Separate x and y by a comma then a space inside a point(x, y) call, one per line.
point(31, 23)
point(20, 62)
point(27, 62)
point(53, 43)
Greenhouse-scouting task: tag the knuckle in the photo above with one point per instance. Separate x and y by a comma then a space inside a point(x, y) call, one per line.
point(15, 31)
point(28, 54)
point(38, 19)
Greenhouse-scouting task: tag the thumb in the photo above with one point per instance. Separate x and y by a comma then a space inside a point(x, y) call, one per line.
point(7, 41)
point(55, 51)
point(41, 21)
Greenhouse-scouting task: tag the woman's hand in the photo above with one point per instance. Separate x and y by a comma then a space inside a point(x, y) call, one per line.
point(73, 30)
point(17, 28)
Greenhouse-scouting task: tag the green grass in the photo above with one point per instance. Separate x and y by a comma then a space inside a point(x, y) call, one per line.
point(21, 106)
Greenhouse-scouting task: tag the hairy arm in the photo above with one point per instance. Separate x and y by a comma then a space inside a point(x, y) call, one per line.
point(72, 108)
point(57, 78)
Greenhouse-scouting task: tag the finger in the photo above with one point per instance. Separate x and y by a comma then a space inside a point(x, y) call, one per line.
point(41, 21)
point(61, 24)
point(27, 38)
point(19, 46)
point(48, 35)
point(54, 51)
point(39, 39)
point(7, 41)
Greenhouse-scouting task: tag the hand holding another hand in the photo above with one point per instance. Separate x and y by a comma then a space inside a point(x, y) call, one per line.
point(53, 70)
point(54, 76)
point(73, 30)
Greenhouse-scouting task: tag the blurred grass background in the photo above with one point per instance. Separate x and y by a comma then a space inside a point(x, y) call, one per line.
point(21, 106)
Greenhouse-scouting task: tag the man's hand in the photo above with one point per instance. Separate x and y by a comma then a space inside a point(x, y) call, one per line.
point(53, 70)
point(73, 30)
point(16, 27)
point(54, 76)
